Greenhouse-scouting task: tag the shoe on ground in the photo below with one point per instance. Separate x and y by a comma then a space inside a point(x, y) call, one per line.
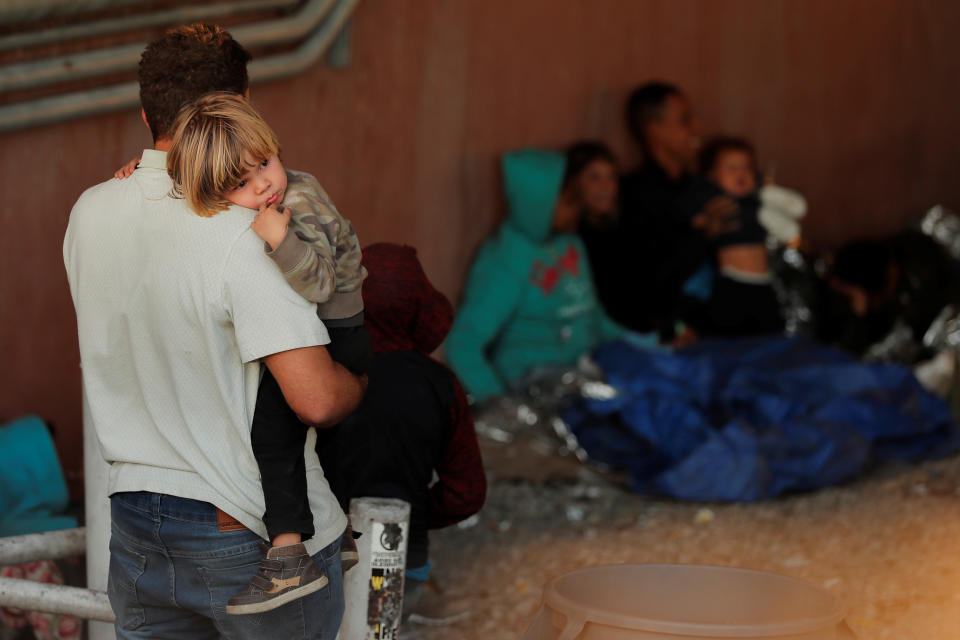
point(287, 573)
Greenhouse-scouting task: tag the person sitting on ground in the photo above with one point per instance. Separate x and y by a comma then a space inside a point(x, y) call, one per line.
point(871, 286)
point(529, 300)
point(743, 301)
point(653, 239)
point(592, 173)
point(223, 153)
point(414, 423)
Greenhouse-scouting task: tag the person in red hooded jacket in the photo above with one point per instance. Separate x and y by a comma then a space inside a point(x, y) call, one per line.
point(414, 421)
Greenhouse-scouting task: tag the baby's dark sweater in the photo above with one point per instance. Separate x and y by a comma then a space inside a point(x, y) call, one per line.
point(749, 229)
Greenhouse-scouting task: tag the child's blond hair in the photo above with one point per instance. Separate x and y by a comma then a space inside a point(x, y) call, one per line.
point(214, 139)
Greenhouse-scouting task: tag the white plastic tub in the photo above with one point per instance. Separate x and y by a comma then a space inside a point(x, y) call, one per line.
point(685, 602)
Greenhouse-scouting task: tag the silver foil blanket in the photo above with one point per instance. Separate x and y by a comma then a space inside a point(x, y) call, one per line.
point(532, 411)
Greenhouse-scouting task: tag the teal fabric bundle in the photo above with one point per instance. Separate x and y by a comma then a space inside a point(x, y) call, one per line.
point(32, 487)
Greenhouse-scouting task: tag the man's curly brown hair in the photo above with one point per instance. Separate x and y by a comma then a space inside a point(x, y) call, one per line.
point(184, 64)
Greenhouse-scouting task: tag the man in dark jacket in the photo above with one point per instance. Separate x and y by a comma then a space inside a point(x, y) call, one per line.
point(658, 249)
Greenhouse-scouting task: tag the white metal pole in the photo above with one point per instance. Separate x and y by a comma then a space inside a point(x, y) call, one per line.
point(55, 598)
point(97, 511)
point(50, 545)
point(374, 588)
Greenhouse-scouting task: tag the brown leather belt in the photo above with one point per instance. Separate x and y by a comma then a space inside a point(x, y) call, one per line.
point(226, 522)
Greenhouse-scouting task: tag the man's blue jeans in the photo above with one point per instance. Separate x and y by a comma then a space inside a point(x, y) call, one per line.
point(172, 572)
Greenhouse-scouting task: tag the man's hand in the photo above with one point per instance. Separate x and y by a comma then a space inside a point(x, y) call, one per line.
point(127, 169)
point(718, 216)
point(271, 224)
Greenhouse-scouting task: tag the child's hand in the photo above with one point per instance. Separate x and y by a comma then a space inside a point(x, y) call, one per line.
point(271, 224)
point(719, 215)
point(127, 169)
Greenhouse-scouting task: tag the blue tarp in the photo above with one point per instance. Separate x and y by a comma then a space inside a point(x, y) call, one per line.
point(744, 420)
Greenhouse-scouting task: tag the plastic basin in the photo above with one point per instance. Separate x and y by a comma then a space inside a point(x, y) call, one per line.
point(684, 602)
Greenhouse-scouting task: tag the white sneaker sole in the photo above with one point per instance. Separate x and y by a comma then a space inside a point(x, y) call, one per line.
point(279, 601)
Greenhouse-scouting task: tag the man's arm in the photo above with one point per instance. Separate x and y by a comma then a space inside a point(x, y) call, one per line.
point(320, 391)
point(273, 324)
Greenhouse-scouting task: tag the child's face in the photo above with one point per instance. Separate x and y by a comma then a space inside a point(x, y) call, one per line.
point(597, 186)
point(733, 171)
point(264, 183)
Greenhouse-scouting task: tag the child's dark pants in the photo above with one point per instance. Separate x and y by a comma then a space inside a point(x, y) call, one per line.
point(278, 438)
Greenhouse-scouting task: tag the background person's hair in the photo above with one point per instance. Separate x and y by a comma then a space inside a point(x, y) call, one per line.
point(645, 105)
point(864, 264)
point(579, 155)
point(184, 64)
point(722, 144)
point(213, 138)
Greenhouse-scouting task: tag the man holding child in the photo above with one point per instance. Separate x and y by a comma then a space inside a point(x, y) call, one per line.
point(175, 314)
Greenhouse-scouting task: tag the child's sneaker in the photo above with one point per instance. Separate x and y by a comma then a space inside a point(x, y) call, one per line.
point(349, 554)
point(287, 573)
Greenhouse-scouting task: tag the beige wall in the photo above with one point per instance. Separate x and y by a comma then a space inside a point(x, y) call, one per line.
point(855, 101)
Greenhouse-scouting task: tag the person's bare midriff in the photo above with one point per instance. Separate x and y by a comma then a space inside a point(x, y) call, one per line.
point(749, 258)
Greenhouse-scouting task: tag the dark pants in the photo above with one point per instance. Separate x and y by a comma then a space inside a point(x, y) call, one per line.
point(742, 309)
point(278, 438)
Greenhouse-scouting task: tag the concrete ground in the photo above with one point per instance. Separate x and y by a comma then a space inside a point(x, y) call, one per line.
point(886, 545)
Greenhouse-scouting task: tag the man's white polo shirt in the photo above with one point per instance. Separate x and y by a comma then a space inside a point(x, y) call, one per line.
point(173, 313)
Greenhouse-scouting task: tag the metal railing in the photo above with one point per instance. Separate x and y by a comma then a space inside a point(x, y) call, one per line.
point(50, 598)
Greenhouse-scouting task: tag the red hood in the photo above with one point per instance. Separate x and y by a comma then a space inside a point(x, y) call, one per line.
point(402, 310)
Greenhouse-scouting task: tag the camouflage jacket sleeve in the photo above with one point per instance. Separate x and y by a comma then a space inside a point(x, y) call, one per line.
point(320, 254)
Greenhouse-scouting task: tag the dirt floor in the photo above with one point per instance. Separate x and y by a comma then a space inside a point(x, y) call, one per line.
point(886, 545)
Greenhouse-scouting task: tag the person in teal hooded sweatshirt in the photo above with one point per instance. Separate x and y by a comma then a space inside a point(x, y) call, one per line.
point(529, 299)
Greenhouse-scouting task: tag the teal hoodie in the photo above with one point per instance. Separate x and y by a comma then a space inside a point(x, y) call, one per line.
point(529, 299)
